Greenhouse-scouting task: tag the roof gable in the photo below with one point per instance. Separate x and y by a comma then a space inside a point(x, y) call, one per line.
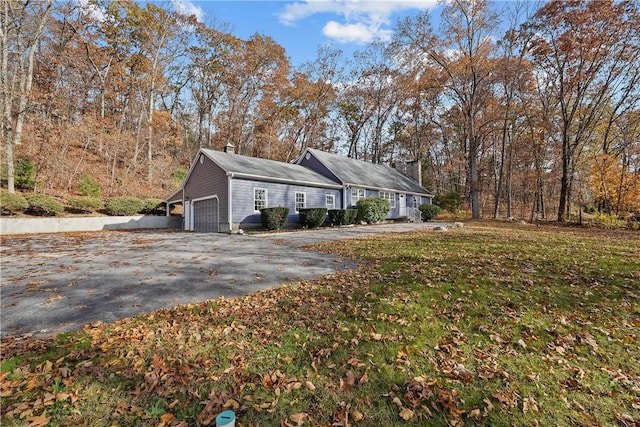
point(359, 173)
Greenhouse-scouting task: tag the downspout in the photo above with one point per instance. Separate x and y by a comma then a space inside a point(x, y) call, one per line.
point(218, 213)
point(230, 196)
point(345, 190)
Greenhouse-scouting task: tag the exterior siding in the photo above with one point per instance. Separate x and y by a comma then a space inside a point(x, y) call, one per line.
point(277, 195)
point(208, 179)
point(393, 212)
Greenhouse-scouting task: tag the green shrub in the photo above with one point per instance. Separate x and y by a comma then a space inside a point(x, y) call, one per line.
point(123, 205)
point(43, 205)
point(25, 174)
point(450, 202)
point(11, 204)
point(373, 209)
point(87, 186)
point(429, 211)
point(152, 207)
point(179, 174)
point(84, 204)
point(312, 217)
point(342, 216)
point(274, 218)
point(610, 221)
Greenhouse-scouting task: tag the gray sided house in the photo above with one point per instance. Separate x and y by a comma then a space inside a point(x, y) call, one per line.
point(224, 192)
point(361, 179)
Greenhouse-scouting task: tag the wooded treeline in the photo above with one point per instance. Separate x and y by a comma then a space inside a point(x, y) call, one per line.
point(529, 110)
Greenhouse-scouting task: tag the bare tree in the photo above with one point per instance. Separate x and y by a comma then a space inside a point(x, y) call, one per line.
point(23, 23)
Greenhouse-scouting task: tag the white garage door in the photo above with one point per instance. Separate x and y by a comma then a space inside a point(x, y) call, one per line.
point(205, 215)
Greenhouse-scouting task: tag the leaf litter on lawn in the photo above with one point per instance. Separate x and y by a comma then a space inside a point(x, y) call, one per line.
point(478, 325)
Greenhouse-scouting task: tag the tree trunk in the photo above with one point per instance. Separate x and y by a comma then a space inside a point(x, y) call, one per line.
point(496, 205)
point(474, 175)
point(474, 181)
point(150, 135)
point(13, 135)
point(6, 102)
point(564, 181)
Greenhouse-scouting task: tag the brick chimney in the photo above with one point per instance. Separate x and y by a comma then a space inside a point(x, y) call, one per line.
point(229, 149)
point(414, 170)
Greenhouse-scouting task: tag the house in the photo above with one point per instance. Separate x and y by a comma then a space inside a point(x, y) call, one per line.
point(362, 179)
point(224, 191)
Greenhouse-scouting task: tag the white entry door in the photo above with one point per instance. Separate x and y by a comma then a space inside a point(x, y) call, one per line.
point(402, 206)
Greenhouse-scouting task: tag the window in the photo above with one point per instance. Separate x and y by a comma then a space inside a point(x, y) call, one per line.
point(357, 194)
point(301, 201)
point(391, 197)
point(416, 203)
point(259, 198)
point(330, 201)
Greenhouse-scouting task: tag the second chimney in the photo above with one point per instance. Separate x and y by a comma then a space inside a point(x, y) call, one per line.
point(414, 170)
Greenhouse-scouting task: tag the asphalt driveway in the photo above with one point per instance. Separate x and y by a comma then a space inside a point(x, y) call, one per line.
point(59, 282)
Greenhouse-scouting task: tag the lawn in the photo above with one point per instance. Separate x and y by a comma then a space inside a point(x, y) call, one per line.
point(482, 325)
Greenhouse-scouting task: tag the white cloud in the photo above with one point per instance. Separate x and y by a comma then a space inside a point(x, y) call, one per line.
point(361, 21)
point(358, 32)
point(92, 10)
point(187, 8)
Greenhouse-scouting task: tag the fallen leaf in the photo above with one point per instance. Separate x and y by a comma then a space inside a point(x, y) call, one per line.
point(39, 420)
point(356, 415)
point(406, 414)
point(167, 418)
point(475, 414)
point(60, 396)
point(529, 404)
point(298, 418)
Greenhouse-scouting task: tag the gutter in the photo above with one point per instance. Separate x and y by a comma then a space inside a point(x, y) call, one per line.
point(283, 180)
point(390, 190)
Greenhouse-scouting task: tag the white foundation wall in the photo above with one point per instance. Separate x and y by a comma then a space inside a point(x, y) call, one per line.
point(59, 225)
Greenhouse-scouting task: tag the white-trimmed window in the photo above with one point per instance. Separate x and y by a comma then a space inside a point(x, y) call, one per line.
point(357, 194)
point(330, 201)
point(416, 201)
point(259, 198)
point(391, 197)
point(301, 201)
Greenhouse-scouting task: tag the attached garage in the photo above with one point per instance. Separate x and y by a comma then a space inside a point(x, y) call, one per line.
point(206, 215)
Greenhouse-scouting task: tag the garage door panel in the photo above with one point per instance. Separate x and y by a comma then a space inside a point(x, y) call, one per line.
point(205, 215)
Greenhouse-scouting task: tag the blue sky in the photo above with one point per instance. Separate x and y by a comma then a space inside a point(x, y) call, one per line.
point(301, 26)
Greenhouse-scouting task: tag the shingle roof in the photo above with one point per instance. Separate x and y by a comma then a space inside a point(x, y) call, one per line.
point(267, 170)
point(359, 173)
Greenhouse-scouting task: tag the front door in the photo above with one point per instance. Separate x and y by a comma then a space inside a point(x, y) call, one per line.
point(402, 206)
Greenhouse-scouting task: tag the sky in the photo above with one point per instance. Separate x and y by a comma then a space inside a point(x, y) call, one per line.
point(303, 25)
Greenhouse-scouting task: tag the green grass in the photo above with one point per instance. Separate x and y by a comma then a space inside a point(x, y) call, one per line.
point(483, 325)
